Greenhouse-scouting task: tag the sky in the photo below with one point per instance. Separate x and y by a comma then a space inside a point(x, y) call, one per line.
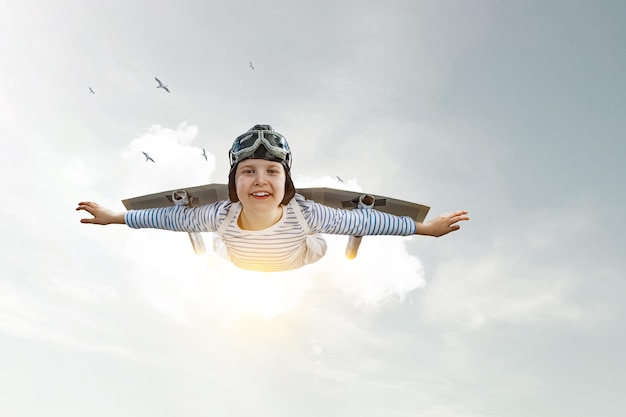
point(512, 110)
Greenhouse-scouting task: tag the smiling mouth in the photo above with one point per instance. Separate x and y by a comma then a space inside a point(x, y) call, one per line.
point(260, 194)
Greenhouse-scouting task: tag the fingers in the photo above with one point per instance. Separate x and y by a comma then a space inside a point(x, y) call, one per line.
point(448, 222)
point(456, 216)
point(85, 205)
point(90, 207)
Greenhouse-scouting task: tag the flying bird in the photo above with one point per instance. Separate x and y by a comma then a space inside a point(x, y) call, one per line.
point(204, 154)
point(251, 66)
point(91, 91)
point(147, 157)
point(340, 180)
point(161, 85)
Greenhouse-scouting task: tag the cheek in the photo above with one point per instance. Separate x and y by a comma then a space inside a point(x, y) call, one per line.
point(280, 185)
point(279, 180)
point(240, 182)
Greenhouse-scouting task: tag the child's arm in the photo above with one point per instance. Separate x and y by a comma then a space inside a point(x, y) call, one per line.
point(358, 222)
point(441, 225)
point(204, 218)
point(101, 215)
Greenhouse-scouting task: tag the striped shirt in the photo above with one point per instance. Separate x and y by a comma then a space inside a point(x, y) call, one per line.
point(283, 246)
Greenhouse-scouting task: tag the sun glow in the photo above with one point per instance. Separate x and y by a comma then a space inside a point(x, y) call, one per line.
point(183, 285)
point(264, 294)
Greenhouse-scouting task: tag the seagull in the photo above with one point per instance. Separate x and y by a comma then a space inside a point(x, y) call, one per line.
point(340, 180)
point(251, 66)
point(147, 157)
point(204, 154)
point(161, 85)
point(91, 91)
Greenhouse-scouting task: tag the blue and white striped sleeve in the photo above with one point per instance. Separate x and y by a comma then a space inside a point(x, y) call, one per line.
point(179, 218)
point(355, 222)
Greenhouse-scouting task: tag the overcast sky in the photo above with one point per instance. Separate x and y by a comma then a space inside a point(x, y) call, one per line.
point(511, 110)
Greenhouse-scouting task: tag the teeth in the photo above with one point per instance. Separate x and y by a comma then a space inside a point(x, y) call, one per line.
point(261, 194)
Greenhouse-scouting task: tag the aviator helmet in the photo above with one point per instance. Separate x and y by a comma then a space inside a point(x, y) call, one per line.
point(260, 142)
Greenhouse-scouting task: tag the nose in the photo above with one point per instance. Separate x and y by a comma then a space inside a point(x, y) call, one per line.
point(260, 178)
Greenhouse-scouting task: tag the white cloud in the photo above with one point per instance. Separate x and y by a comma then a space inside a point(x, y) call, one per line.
point(178, 163)
point(531, 273)
point(349, 184)
point(30, 315)
point(183, 285)
point(383, 270)
point(77, 173)
point(473, 292)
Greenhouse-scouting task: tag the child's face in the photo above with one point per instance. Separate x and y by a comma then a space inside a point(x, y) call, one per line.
point(260, 184)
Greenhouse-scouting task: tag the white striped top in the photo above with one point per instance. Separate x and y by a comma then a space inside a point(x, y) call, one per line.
point(283, 246)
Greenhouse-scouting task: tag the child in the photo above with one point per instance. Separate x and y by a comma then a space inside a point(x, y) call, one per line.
point(265, 225)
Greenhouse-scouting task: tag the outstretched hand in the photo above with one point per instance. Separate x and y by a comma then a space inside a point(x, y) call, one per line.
point(443, 224)
point(101, 215)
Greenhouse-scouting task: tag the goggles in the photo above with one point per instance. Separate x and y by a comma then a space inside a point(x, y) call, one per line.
point(246, 144)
